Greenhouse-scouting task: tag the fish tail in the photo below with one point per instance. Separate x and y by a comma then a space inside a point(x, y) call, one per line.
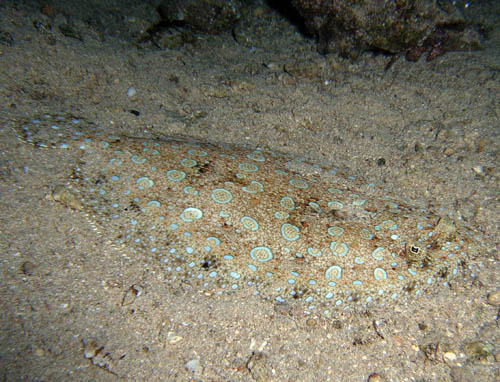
point(57, 131)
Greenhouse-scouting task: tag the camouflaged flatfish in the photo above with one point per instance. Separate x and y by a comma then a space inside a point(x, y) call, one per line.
point(229, 219)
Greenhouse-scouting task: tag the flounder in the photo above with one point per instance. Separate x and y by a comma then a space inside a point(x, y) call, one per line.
point(226, 219)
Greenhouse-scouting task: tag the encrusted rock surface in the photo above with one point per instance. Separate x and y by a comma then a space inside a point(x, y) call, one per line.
point(351, 27)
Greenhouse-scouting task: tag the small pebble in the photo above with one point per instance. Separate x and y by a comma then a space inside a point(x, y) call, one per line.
point(39, 351)
point(91, 349)
point(337, 324)
point(28, 268)
point(450, 356)
point(380, 327)
point(497, 357)
point(131, 91)
point(422, 326)
point(135, 112)
point(374, 377)
point(479, 170)
point(172, 338)
point(494, 298)
point(194, 366)
point(6, 38)
point(311, 322)
point(448, 151)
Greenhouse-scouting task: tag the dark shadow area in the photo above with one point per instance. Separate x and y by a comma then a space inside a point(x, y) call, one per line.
point(285, 9)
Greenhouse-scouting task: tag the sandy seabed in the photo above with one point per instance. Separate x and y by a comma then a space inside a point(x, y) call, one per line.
point(73, 309)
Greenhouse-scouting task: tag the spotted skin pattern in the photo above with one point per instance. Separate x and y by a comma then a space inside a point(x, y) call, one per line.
point(230, 219)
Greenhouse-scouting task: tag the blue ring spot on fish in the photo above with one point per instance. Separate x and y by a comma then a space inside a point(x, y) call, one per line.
point(290, 232)
point(254, 187)
point(191, 214)
point(380, 274)
point(339, 248)
point(299, 183)
point(378, 253)
point(138, 160)
point(335, 231)
point(248, 167)
point(333, 272)
point(261, 254)
point(222, 196)
point(249, 223)
point(144, 182)
point(314, 252)
point(188, 162)
point(287, 203)
point(176, 175)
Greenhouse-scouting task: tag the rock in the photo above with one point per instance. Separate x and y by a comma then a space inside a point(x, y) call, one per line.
point(91, 348)
point(194, 366)
point(6, 38)
point(28, 268)
point(131, 91)
point(450, 356)
point(494, 298)
point(374, 377)
point(393, 27)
